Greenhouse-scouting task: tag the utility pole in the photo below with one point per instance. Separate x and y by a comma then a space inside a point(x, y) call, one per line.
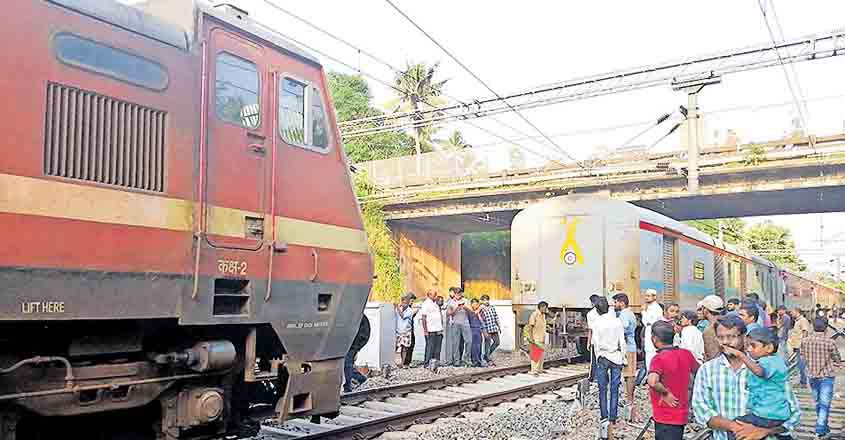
point(692, 88)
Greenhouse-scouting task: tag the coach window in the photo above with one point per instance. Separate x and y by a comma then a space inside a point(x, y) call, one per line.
point(236, 91)
point(302, 116)
point(109, 61)
point(292, 111)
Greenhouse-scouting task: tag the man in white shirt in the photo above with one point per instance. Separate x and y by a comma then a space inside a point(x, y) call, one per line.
point(591, 317)
point(651, 314)
point(432, 324)
point(609, 346)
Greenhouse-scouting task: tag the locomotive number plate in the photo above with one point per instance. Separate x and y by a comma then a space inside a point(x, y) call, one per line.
point(232, 267)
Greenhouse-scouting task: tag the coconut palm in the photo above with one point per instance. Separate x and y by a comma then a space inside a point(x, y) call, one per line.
point(417, 89)
point(456, 141)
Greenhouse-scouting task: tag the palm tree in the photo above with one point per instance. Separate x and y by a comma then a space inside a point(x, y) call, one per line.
point(416, 89)
point(456, 141)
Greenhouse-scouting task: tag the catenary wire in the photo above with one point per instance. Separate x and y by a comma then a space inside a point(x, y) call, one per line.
point(490, 89)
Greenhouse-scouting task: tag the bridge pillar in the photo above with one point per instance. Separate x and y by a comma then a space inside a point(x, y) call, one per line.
point(428, 259)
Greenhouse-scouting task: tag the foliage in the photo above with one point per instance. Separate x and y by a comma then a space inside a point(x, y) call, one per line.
point(416, 87)
point(456, 141)
point(776, 244)
point(766, 239)
point(486, 243)
point(755, 155)
point(387, 285)
point(733, 229)
point(352, 100)
point(828, 280)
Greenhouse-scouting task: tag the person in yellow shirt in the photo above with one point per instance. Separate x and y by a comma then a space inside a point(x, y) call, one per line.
point(535, 332)
point(800, 329)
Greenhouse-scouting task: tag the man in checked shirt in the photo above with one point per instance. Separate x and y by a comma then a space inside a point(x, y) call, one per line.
point(721, 393)
point(820, 354)
point(489, 329)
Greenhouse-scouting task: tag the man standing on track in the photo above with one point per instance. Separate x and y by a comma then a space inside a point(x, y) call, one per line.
point(653, 313)
point(800, 330)
point(432, 324)
point(610, 347)
point(352, 378)
point(457, 309)
point(629, 371)
point(784, 326)
point(536, 332)
point(591, 318)
point(490, 328)
point(821, 354)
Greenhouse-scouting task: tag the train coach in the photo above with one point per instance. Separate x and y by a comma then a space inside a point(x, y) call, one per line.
point(178, 230)
point(567, 248)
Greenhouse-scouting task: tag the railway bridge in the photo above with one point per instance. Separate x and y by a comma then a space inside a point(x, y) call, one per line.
point(429, 211)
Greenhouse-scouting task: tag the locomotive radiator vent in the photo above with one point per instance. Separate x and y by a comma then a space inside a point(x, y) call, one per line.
point(88, 136)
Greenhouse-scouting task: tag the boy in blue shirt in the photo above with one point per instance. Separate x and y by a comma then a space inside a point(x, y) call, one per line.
point(768, 406)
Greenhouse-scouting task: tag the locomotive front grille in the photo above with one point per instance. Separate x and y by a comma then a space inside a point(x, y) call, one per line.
point(97, 138)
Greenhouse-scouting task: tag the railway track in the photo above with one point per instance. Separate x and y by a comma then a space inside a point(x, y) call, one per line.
point(370, 413)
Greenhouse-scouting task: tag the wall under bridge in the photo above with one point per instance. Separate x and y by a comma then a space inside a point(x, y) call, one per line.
point(428, 259)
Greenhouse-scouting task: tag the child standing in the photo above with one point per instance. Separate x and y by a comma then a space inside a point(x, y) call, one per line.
point(691, 338)
point(668, 380)
point(767, 401)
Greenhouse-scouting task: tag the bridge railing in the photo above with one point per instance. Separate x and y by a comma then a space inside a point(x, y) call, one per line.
point(496, 167)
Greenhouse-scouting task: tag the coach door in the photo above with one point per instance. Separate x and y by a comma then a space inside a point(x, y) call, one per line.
point(237, 150)
point(232, 278)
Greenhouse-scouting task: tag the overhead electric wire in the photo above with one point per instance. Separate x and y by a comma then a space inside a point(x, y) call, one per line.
point(394, 69)
point(785, 71)
point(391, 86)
point(634, 124)
point(782, 37)
point(490, 89)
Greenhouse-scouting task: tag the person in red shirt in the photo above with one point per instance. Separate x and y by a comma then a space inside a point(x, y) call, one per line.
point(668, 380)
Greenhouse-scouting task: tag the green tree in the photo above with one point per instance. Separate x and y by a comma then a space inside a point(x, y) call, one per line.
point(732, 229)
point(456, 141)
point(775, 243)
point(352, 100)
point(387, 285)
point(766, 239)
point(416, 89)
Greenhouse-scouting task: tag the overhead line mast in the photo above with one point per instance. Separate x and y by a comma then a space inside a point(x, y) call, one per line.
point(819, 46)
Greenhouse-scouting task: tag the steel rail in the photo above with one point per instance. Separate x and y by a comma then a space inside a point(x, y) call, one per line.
point(375, 427)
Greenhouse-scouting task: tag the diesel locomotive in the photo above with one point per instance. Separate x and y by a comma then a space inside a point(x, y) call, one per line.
point(178, 230)
point(567, 248)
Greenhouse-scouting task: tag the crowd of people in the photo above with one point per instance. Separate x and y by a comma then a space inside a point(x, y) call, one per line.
point(468, 328)
point(723, 365)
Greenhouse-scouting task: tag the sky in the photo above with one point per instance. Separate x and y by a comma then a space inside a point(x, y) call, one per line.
point(514, 46)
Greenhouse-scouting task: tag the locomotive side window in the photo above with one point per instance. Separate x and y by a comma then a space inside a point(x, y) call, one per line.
point(302, 116)
point(319, 130)
point(109, 61)
point(236, 91)
point(292, 111)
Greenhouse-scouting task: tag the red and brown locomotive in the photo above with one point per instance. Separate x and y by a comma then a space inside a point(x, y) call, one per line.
point(177, 223)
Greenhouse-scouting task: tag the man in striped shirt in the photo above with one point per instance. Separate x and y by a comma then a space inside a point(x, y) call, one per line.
point(720, 394)
point(489, 329)
point(821, 356)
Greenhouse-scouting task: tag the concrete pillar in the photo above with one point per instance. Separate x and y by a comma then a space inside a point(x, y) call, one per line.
point(428, 259)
